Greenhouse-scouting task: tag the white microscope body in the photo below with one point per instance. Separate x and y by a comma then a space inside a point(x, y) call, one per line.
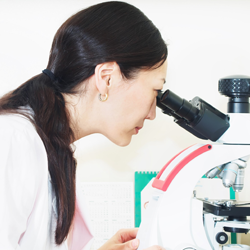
point(187, 222)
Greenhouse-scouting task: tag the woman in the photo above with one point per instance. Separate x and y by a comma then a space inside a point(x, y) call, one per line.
point(106, 64)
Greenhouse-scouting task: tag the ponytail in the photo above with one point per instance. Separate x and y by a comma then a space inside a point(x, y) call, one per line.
point(52, 124)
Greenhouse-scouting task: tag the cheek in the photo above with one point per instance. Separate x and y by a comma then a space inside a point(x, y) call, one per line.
point(129, 111)
point(122, 125)
point(141, 107)
point(147, 106)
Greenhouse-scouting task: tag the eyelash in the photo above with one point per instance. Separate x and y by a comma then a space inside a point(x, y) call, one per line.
point(159, 90)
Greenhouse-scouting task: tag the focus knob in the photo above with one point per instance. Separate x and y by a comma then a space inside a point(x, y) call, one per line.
point(221, 238)
point(235, 86)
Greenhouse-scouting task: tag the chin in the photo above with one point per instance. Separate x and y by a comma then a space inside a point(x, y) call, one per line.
point(123, 142)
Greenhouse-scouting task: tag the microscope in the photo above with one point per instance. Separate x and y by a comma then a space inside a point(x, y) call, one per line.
point(188, 222)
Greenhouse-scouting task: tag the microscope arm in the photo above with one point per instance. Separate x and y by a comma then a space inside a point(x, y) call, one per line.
point(168, 220)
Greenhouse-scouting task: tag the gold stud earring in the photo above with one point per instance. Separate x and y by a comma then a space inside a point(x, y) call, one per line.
point(104, 99)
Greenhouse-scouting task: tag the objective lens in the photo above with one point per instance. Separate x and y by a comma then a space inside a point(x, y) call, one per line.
point(213, 172)
point(220, 174)
point(229, 174)
point(239, 181)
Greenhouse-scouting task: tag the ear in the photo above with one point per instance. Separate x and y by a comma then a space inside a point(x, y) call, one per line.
point(104, 73)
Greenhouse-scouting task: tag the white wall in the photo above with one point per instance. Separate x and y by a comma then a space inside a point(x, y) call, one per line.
point(207, 40)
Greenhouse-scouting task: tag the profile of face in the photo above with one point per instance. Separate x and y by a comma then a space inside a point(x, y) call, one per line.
point(129, 102)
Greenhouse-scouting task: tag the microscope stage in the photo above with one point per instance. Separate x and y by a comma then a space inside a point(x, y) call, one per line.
point(227, 207)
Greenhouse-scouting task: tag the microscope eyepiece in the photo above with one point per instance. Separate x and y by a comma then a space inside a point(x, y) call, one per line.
point(180, 106)
point(196, 116)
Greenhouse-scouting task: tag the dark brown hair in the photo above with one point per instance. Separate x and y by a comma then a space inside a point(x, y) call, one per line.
point(106, 32)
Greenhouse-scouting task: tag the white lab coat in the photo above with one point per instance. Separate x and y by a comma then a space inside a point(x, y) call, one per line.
point(27, 208)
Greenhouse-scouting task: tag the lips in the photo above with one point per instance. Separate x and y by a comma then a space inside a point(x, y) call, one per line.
point(137, 129)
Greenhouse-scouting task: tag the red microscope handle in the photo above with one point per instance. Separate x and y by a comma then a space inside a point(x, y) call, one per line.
point(163, 185)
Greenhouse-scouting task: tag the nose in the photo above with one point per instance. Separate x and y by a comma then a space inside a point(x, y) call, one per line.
point(152, 112)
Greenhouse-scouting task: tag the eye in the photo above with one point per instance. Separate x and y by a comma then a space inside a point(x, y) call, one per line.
point(156, 91)
point(159, 93)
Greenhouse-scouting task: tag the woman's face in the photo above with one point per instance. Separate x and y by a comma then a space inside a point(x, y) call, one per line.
point(130, 103)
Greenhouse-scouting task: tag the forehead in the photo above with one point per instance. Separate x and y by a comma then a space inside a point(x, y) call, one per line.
point(153, 78)
point(162, 67)
point(158, 72)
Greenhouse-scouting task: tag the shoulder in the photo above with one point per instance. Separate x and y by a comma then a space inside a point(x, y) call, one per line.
point(16, 126)
point(21, 147)
point(15, 123)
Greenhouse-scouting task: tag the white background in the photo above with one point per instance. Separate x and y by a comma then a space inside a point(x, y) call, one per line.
point(207, 40)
